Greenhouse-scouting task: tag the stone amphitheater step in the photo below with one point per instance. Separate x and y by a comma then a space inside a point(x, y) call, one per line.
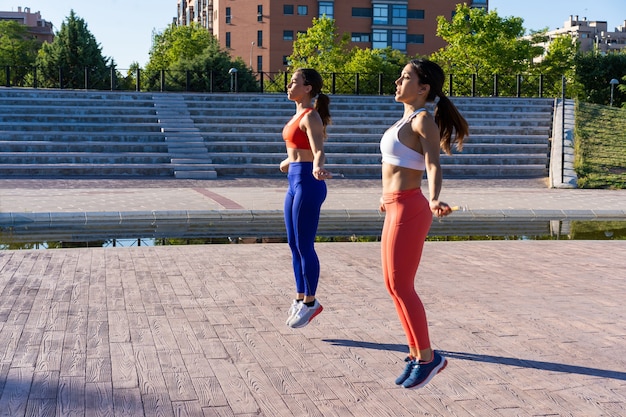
point(507, 136)
point(85, 170)
point(188, 154)
point(93, 133)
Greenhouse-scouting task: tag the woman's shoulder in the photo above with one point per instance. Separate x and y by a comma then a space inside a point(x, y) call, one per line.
point(422, 117)
point(424, 123)
point(311, 115)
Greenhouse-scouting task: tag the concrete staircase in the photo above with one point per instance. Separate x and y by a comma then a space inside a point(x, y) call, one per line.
point(63, 133)
point(509, 137)
point(189, 156)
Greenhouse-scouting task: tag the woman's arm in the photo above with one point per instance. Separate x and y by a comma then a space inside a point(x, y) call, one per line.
point(429, 134)
point(313, 126)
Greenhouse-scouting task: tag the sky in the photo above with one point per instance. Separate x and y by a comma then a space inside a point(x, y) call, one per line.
point(124, 28)
point(539, 14)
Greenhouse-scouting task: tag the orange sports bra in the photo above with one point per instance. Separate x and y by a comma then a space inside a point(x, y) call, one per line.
point(295, 137)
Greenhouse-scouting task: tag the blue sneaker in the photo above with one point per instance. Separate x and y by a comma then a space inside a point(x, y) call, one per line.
point(422, 373)
point(410, 363)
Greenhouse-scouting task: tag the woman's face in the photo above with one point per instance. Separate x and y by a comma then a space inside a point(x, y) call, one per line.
point(408, 86)
point(296, 90)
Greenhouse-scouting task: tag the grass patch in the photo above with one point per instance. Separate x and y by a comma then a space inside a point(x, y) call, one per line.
point(598, 230)
point(600, 133)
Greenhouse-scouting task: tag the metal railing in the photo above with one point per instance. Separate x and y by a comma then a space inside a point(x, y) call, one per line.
point(211, 81)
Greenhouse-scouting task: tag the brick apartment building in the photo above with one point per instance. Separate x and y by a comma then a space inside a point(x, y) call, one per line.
point(262, 32)
point(37, 27)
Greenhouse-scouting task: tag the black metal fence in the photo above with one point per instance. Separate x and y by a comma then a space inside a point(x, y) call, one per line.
point(472, 85)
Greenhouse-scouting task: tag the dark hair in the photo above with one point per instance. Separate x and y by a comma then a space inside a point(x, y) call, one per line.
point(322, 103)
point(447, 116)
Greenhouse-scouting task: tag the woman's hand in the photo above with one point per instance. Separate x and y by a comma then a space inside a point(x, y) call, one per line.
point(439, 208)
point(321, 174)
point(284, 165)
point(381, 205)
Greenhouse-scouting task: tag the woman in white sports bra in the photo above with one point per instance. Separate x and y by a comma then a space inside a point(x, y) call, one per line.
point(410, 147)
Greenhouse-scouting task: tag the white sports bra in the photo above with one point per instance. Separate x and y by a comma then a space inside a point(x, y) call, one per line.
point(398, 154)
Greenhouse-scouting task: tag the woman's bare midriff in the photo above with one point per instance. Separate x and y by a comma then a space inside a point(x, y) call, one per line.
point(299, 155)
point(400, 179)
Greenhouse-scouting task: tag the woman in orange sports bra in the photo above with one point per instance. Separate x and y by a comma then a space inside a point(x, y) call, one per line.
point(409, 148)
point(304, 137)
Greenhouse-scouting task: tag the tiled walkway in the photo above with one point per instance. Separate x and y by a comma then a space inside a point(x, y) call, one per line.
point(529, 328)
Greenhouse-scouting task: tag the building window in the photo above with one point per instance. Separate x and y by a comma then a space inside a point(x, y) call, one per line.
point(259, 13)
point(381, 14)
point(288, 9)
point(228, 15)
point(415, 14)
point(287, 35)
point(379, 39)
point(398, 14)
point(259, 63)
point(285, 59)
point(259, 38)
point(228, 39)
point(327, 8)
point(398, 40)
point(360, 37)
point(303, 10)
point(415, 39)
point(383, 38)
point(361, 12)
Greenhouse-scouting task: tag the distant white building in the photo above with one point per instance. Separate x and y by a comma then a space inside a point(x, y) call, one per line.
point(591, 35)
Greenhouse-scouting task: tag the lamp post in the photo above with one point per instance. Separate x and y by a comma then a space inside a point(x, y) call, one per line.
point(233, 80)
point(251, 49)
point(613, 83)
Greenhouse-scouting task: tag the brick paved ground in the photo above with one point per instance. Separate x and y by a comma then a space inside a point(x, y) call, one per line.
point(530, 328)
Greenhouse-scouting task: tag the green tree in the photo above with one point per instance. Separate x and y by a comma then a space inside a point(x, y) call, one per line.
point(321, 47)
point(622, 89)
point(483, 43)
point(18, 51)
point(593, 76)
point(190, 57)
point(128, 81)
point(559, 61)
point(560, 56)
point(177, 43)
point(374, 64)
point(17, 48)
point(73, 51)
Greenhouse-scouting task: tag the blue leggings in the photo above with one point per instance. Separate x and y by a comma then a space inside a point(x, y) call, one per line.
point(302, 213)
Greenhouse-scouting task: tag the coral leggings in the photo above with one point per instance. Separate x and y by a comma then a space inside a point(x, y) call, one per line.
point(407, 221)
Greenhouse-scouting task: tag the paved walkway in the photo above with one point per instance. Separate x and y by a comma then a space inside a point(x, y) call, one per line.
point(530, 327)
point(526, 195)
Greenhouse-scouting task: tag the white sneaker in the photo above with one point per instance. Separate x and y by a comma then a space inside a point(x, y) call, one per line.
point(292, 310)
point(304, 314)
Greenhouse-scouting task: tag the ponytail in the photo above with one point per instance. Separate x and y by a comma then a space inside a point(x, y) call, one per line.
point(450, 121)
point(322, 105)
